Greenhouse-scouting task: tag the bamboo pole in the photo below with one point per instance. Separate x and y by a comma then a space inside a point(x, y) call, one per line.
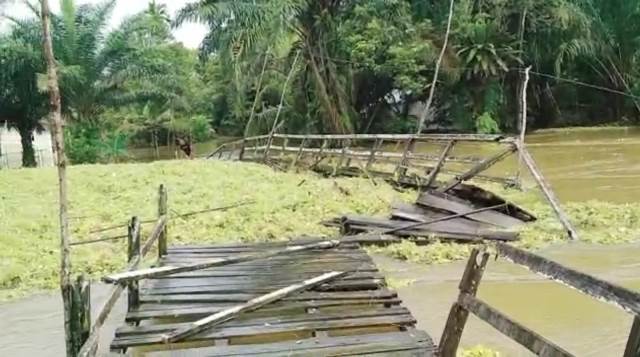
point(253, 304)
point(523, 121)
point(57, 133)
point(80, 313)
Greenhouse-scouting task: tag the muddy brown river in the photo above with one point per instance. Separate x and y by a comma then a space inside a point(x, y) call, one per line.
point(601, 164)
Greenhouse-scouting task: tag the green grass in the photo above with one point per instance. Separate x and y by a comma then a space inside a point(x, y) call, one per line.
point(287, 205)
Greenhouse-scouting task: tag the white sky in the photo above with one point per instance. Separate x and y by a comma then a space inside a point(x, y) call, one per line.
point(189, 34)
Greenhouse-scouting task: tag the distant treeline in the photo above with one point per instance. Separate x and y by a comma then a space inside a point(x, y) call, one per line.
point(355, 66)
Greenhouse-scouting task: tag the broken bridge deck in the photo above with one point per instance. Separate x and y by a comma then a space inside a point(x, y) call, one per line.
point(356, 314)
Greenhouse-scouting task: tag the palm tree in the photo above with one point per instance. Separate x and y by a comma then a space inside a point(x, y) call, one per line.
point(236, 28)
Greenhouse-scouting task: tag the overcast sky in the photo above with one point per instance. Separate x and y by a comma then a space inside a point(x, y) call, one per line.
point(189, 34)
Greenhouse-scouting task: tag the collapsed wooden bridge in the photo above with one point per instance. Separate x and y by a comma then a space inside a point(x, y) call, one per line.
point(307, 297)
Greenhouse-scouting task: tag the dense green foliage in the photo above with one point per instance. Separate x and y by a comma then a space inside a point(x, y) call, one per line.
point(355, 66)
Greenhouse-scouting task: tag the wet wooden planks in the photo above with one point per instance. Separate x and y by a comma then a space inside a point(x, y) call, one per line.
point(354, 315)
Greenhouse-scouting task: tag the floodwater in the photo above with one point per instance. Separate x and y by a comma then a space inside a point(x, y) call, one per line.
point(581, 165)
point(574, 321)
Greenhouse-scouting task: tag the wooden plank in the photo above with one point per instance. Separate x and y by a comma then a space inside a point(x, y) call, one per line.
point(479, 168)
point(416, 343)
point(251, 305)
point(524, 336)
point(625, 299)
point(548, 193)
point(168, 270)
point(230, 332)
point(189, 310)
point(458, 315)
point(240, 298)
point(372, 156)
point(232, 278)
point(431, 179)
point(251, 319)
point(446, 203)
point(400, 137)
point(633, 344)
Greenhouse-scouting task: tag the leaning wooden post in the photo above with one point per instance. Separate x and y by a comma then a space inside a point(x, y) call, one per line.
point(57, 136)
point(133, 252)
point(401, 169)
point(458, 315)
point(441, 160)
point(523, 119)
point(80, 297)
point(162, 211)
point(242, 148)
point(299, 155)
point(633, 344)
point(372, 155)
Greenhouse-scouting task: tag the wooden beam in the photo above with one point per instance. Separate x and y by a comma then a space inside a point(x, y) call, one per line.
point(633, 344)
point(401, 137)
point(168, 270)
point(436, 170)
point(251, 305)
point(624, 298)
point(481, 167)
point(524, 336)
point(450, 339)
point(372, 156)
point(547, 191)
point(133, 252)
point(80, 313)
point(299, 154)
point(162, 211)
point(154, 236)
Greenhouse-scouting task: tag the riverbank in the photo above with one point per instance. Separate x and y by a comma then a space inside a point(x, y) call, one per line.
point(288, 205)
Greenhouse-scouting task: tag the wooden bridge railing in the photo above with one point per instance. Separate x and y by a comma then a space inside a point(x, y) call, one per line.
point(467, 303)
point(84, 334)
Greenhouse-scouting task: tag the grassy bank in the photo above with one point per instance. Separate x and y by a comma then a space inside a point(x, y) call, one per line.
point(287, 205)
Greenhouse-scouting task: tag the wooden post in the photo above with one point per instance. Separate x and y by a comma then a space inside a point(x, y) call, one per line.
point(458, 315)
point(57, 136)
point(376, 146)
point(133, 252)
point(162, 211)
point(482, 166)
point(548, 193)
point(523, 118)
point(242, 148)
point(80, 297)
point(441, 160)
point(633, 344)
point(401, 168)
point(299, 155)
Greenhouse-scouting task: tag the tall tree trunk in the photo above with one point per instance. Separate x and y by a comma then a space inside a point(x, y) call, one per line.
point(58, 144)
point(28, 153)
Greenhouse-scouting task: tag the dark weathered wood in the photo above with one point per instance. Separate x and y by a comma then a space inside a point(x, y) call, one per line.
point(524, 336)
point(162, 211)
point(624, 298)
point(403, 164)
point(481, 167)
point(80, 323)
point(548, 192)
point(253, 304)
point(450, 339)
point(449, 203)
point(431, 179)
point(298, 155)
point(398, 344)
point(168, 270)
point(372, 156)
point(133, 253)
point(633, 343)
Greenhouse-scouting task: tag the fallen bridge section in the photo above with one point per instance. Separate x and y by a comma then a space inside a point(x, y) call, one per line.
point(353, 314)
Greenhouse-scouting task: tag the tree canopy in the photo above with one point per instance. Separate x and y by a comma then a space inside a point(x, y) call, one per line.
point(354, 66)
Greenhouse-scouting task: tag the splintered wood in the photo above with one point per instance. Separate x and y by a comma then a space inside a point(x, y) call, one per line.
point(290, 304)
